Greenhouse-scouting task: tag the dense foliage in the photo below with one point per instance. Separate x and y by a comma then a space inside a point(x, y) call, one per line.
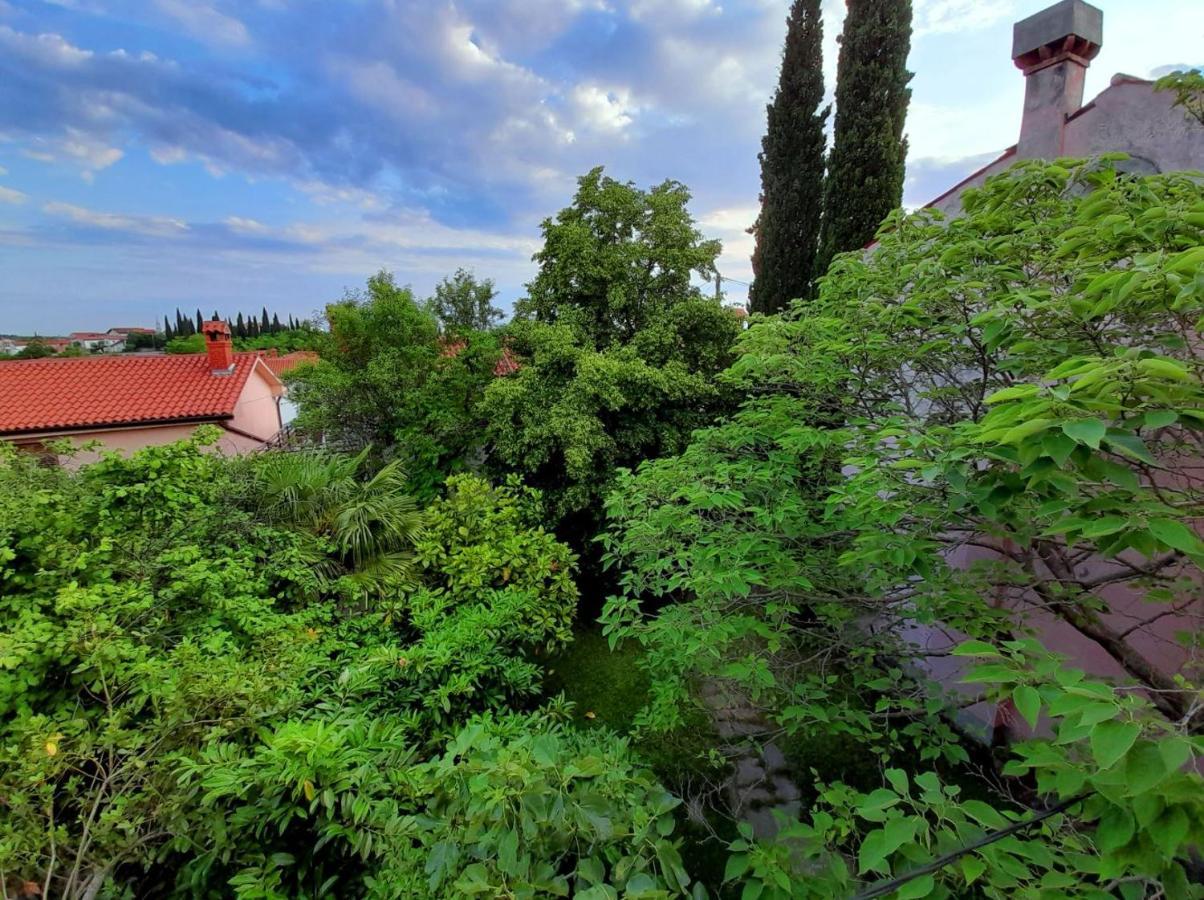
point(286, 341)
point(618, 348)
point(617, 260)
point(842, 540)
point(199, 694)
point(388, 379)
point(463, 304)
point(988, 407)
point(869, 151)
point(792, 169)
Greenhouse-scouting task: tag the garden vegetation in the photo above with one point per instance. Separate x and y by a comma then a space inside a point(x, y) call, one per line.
point(364, 669)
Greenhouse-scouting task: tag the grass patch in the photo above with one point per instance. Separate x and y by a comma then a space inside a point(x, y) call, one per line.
point(608, 687)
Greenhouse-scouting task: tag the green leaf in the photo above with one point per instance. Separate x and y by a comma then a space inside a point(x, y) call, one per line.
point(1176, 535)
point(1169, 830)
point(1028, 703)
point(737, 865)
point(1025, 430)
point(1086, 431)
point(1160, 418)
point(1013, 393)
point(917, 887)
point(1111, 740)
point(752, 890)
point(975, 648)
point(1130, 445)
point(1115, 829)
point(972, 867)
point(1144, 767)
point(1164, 368)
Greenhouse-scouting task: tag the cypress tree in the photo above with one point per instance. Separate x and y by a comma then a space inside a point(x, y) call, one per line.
point(200, 321)
point(264, 325)
point(240, 329)
point(865, 170)
point(276, 326)
point(792, 168)
point(168, 334)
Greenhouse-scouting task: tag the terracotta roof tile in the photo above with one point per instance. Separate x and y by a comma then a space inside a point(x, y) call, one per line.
point(281, 364)
point(48, 394)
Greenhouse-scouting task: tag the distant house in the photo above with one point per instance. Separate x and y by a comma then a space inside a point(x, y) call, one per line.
point(1053, 49)
point(97, 340)
point(11, 346)
point(131, 401)
point(126, 332)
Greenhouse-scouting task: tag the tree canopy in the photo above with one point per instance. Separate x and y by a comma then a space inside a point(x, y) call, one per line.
point(617, 258)
point(463, 304)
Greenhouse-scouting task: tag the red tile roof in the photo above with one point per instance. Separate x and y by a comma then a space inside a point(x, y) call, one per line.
point(281, 364)
point(507, 364)
point(52, 394)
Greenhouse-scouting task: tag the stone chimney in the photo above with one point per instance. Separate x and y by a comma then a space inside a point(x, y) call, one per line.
point(219, 346)
point(1053, 49)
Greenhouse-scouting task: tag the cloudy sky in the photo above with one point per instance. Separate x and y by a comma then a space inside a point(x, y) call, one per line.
point(236, 153)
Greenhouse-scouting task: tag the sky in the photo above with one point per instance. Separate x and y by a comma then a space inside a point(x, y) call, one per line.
point(231, 154)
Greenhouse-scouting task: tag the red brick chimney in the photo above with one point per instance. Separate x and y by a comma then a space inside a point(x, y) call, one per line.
point(219, 346)
point(1053, 49)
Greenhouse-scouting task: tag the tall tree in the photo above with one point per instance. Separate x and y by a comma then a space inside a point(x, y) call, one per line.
point(618, 258)
point(461, 303)
point(865, 169)
point(265, 325)
point(200, 322)
point(240, 327)
point(168, 334)
point(792, 168)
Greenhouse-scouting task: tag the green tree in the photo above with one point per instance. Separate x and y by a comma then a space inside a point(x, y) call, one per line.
point(1188, 88)
point(792, 169)
point(386, 378)
point(617, 258)
point(617, 348)
point(461, 303)
point(36, 348)
point(1013, 392)
point(869, 152)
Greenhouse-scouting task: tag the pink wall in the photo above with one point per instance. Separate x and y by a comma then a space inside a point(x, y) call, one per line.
point(256, 411)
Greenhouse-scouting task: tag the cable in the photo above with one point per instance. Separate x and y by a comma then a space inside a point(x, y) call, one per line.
point(881, 888)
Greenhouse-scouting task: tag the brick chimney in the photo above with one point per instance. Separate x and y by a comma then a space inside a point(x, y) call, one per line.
point(1053, 49)
point(219, 346)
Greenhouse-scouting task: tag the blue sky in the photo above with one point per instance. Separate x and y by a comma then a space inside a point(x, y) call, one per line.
point(237, 153)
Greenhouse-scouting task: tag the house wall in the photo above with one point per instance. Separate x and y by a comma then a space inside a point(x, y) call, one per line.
point(1132, 117)
point(128, 440)
point(257, 411)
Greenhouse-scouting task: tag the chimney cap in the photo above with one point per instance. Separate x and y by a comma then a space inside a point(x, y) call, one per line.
point(1053, 25)
point(216, 329)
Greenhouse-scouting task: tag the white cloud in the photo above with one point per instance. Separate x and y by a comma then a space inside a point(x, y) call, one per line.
point(603, 110)
point(150, 226)
point(241, 225)
point(205, 22)
point(10, 195)
point(960, 16)
point(76, 147)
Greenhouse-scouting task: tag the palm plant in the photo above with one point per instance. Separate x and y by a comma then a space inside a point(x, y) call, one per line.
point(370, 524)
